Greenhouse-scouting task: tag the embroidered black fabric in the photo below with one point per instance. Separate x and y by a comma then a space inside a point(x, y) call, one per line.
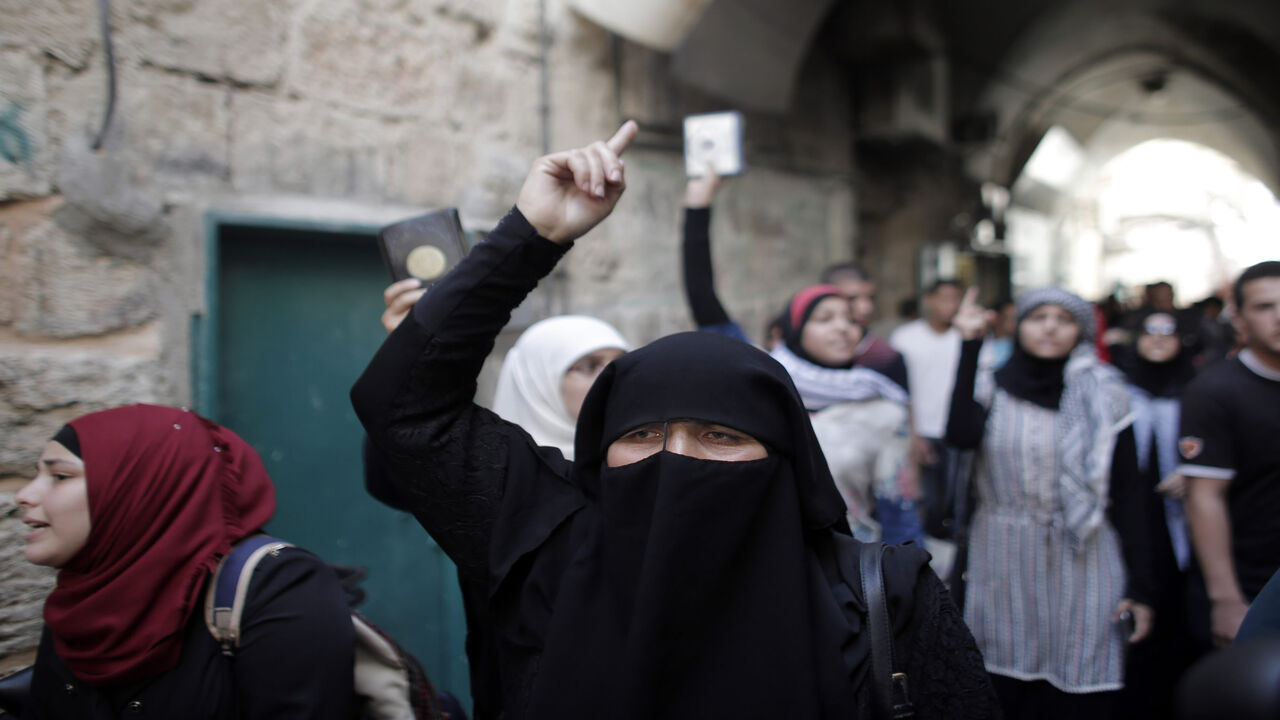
point(945, 670)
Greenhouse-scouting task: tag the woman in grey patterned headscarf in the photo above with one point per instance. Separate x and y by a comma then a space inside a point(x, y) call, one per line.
point(1056, 580)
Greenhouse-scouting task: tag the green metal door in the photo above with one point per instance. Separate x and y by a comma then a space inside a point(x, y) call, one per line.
point(294, 318)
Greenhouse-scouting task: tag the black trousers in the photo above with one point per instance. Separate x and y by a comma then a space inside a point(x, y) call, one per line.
point(1038, 700)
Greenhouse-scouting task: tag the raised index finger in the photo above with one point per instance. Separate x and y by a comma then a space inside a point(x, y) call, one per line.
point(970, 297)
point(623, 137)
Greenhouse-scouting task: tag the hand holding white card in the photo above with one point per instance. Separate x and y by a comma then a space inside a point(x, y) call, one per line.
point(713, 140)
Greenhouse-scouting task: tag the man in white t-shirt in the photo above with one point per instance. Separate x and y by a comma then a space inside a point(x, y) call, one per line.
point(931, 349)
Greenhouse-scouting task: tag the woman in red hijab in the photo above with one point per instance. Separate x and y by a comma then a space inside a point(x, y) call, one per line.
point(135, 506)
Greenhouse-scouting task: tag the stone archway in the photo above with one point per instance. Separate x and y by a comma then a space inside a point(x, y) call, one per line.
point(1113, 79)
point(1089, 64)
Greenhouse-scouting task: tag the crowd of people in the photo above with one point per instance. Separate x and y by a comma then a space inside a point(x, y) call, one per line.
point(699, 527)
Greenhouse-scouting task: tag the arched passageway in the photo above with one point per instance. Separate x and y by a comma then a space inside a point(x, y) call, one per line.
point(1139, 144)
point(1161, 210)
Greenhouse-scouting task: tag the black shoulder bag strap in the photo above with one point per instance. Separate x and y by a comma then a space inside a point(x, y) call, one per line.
point(888, 689)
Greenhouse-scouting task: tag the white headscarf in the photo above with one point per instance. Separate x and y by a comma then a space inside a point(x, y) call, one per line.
point(528, 392)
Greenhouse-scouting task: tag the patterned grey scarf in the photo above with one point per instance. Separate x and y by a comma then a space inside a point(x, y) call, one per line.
point(822, 386)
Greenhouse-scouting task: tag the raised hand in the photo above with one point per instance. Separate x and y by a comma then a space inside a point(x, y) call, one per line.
point(568, 193)
point(700, 191)
point(400, 298)
point(972, 320)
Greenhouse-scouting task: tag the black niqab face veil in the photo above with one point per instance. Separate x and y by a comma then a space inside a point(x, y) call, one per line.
point(700, 376)
point(695, 588)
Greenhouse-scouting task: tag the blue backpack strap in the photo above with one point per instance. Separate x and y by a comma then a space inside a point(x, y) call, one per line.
point(388, 680)
point(225, 597)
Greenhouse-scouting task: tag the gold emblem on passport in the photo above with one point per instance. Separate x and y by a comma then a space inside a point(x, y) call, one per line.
point(423, 247)
point(426, 262)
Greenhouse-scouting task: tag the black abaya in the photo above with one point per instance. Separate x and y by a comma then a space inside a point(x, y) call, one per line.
point(673, 587)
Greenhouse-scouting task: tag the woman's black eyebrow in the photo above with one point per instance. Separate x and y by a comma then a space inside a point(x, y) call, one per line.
point(48, 462)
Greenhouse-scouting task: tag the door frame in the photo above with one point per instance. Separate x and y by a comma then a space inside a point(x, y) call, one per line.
point(284, 213)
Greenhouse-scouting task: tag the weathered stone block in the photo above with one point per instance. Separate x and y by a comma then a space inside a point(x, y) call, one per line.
point(175, 128)
point(25, 160)
point(9, 278)
point(518, 34)
point(65, 29)
point(306, 147)
point(380, 64)
point(23, 586)
point(485, 13)
point(168, 133)
point(105, 186)
point(67, 289)
point(219, 39)
point(16, 221)
point(43, 387)
point(482, 179)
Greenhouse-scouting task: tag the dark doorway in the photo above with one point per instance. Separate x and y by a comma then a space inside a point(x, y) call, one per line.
point(293, 319)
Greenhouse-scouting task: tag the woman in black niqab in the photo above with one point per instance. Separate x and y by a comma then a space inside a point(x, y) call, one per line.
point(699, 586)
point(1158, 367)
point(673, 586)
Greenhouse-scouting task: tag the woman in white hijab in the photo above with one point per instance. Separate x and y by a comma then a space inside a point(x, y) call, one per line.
point(544, 378)
point(548, 371)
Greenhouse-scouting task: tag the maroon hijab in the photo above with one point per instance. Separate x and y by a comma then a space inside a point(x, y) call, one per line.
point(169, 492)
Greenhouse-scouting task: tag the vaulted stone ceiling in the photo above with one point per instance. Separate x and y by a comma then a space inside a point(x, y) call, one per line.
point(1014, 67)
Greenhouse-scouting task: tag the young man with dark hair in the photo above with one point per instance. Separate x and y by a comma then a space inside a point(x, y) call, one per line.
point(1231, 457)
point(931, 348)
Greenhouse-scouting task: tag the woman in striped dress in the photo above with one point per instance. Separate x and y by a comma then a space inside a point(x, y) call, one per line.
point(1056, 582)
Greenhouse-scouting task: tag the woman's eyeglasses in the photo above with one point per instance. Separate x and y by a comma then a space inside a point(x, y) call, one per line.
point(1160, 326)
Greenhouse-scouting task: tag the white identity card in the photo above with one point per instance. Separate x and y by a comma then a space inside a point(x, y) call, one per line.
point(713, 140)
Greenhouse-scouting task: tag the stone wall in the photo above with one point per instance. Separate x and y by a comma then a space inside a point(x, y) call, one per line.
point(365, 105)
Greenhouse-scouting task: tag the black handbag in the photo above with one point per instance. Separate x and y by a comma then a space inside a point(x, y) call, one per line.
point(889, 699)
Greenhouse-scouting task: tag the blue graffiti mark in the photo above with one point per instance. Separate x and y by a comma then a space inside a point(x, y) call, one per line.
point(15, 146)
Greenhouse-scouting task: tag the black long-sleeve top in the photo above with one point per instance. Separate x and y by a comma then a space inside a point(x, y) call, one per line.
point(699, 282)
point(294, 660)
point(1128, 508)
point(474, 481)
point(445, 458)
point(699, 277)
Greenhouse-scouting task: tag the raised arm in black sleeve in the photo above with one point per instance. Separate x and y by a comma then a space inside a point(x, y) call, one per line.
point(1130, 513)
point(699, 279)
point(446, 457)
point(968, 419)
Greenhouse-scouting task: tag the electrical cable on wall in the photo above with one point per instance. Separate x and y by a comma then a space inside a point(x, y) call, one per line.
point(544, 78)
point(104, 10)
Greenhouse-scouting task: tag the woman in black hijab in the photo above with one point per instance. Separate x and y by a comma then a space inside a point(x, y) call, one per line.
point(1157, 365)
point(1058, 560)
point(692, 561)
